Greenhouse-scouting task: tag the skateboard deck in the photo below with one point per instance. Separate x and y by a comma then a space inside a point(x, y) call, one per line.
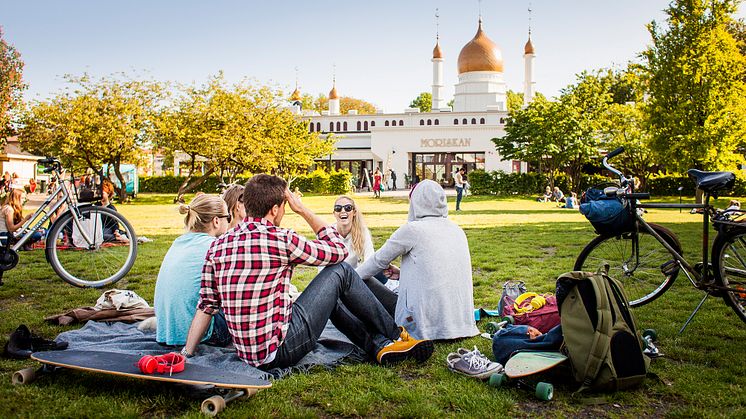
point(234, 385)
point(528, 363)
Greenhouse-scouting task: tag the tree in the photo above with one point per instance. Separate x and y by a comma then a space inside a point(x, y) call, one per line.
point(11, 85)
point(696, 72)
point(100, 122)
point(624, 125)
point(515, 101)
point(450, 103)
point(423, 102)
point(346, 103)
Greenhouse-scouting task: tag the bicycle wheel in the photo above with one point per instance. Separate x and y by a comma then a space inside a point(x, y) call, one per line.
point(729, 255)
point(646, 272)
point(103, 259)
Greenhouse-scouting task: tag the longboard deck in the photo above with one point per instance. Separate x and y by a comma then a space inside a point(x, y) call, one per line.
point(528, 363)
point(126, 365)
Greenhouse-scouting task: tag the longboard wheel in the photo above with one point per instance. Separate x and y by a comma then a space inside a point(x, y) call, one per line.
point(492, 328)
point(24, 376)
point(213, 405)
point(498, 380)
point(544, 391)
point(508, 319)
point(650, 332)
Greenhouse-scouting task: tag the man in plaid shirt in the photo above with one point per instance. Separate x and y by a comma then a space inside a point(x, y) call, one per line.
point(247, 274)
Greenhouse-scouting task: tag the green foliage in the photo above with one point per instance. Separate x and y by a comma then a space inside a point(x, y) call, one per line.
point(696, 77)
point(339, 182)
point(11, 85)
point(423, 102)
point(532, 183)
point(624, 126)
point(322, 182)
point(171, 184)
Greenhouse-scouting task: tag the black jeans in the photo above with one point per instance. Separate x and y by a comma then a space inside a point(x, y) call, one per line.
point(337, 294)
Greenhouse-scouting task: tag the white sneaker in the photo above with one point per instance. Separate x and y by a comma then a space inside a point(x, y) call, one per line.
point(472, 364)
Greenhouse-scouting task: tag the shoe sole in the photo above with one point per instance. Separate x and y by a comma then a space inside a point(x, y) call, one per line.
point(482, 376)
point(420, 352)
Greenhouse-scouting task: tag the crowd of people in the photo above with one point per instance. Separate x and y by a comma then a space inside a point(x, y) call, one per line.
point(226, 281)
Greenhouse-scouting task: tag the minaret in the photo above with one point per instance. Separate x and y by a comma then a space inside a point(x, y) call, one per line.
point(528, 63)
point(334, 97)
point(438, 100)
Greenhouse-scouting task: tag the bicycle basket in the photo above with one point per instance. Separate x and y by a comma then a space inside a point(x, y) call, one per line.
point(608, 215)
point(89, 187)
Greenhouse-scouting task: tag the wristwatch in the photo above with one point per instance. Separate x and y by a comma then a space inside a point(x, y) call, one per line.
point(185, 353)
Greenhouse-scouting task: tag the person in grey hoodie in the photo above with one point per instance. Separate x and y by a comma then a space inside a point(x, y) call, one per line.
point(435, 298)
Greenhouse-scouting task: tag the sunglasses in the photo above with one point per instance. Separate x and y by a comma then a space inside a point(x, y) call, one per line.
point(226, 216)
point(347, 208)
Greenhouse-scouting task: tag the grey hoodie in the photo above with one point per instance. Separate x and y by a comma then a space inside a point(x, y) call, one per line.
point(435, 287)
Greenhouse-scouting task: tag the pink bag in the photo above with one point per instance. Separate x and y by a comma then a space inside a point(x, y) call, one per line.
point(543, 318)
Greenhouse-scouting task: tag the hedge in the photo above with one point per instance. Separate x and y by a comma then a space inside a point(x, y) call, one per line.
point(334, 183)
point(500, 183)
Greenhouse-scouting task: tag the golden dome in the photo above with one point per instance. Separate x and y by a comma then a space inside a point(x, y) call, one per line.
point(333, 93)
point(296, 95)
point(529, 48)
point(437, 53)
point(480, 54)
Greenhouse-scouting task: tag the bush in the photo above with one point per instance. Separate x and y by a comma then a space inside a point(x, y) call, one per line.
point(319, 181)
point(340, 182)
point(501, 183)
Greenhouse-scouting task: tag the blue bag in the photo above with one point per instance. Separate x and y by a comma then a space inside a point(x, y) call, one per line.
point(608, 215)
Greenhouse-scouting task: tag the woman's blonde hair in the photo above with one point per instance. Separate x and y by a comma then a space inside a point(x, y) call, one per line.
point(201, 211)
point(232, 196)
point(14, 199)
point(359, 230)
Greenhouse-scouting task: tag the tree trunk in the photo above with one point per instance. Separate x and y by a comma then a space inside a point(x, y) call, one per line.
point(123, 187)
point(187, 186)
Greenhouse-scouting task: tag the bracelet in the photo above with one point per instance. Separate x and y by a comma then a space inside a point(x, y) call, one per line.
point(185, 353)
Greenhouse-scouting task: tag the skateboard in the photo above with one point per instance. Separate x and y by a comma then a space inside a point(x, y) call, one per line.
point(525, 364)
point(228, 385)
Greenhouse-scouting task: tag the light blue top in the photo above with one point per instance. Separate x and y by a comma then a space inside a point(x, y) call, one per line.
point(177, 287)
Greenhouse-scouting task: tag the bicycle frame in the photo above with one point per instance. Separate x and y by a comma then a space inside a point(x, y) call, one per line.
point(23, 234)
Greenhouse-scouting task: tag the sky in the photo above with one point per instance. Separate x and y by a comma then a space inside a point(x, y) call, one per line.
point(380, 51)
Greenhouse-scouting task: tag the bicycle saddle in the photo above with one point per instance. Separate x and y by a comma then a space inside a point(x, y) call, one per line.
point(712, 181)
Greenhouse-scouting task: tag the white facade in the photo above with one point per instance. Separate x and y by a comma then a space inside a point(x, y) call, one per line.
point(478, 90)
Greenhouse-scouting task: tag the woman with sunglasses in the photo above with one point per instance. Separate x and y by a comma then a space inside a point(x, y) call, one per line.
point(233, 197)
point(178, 284)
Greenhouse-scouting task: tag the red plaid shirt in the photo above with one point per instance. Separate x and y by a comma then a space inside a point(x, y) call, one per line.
point(247, 272)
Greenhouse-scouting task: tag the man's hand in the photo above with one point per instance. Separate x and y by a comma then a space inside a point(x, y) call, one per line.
point(295, 203)
point(533, 332)
point(392, 272)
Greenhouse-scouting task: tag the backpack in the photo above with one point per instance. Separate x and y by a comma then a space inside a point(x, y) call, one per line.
point(600, 334)
point(532, 309)
point(511, 291)
point(608, 215)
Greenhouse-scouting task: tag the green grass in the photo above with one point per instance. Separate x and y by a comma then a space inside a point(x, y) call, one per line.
point(704, 373)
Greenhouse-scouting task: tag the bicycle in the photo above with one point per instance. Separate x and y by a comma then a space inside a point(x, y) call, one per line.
point(87, 245)
point(647, 257)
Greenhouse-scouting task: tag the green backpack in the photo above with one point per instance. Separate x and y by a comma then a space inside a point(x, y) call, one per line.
point(600, 334)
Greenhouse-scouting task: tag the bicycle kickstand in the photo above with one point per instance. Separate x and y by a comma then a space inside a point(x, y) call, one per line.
point(707, 294)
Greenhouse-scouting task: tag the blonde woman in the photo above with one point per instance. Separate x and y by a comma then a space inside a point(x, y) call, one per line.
point(12, 218)
point(178, 284)
point(233, 197)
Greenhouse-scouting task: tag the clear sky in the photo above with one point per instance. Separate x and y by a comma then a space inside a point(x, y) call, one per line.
point(381, 49)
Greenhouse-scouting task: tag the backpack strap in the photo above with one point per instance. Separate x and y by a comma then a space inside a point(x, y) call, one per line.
point(601, 337)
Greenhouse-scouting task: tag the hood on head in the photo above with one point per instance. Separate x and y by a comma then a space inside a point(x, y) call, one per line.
point(428, 199)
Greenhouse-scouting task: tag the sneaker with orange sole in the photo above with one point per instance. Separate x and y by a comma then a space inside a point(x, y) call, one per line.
point(405, 348)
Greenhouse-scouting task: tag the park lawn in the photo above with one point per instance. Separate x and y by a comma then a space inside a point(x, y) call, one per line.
point(703, 373)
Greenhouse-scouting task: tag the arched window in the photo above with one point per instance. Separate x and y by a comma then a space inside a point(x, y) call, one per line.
point(473, 121)
point(464, 121)
point(386, 123)
point(429, 121)
point(331, 126)
point(401, 122)
point(437, 122)
point(344, 125)
point(311, 127)
point(358, 125)
point(481, 121)
point(455, 121)
point(422, 122)
point(338, 126)
point(318, 126)
point(365, 125)
point(372, 123)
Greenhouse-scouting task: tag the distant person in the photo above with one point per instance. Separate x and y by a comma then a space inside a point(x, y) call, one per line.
point(393, 179)
point(572, 201)
point(435, 298)
point(12, 218)
point(377, 185)
point(233, 197)
point(460, 184)
point(112, 232)
point(178, 283)
point(547, 195)
point(557, 195)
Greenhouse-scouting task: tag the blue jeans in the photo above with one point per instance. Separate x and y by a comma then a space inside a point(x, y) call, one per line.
point(459, 195)
point(337, 294)
point(515, 338)
point(220, 335)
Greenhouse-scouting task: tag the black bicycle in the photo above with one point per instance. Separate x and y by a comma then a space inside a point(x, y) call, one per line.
point(647, 257)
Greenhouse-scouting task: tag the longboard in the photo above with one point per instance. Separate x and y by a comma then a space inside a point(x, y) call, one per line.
point(236, 385)
point(527, 363)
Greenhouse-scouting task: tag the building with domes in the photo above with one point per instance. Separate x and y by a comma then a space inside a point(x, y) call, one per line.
point(431, 145)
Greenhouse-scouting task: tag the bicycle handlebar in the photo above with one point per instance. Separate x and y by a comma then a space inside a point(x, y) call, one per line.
point(615, 153)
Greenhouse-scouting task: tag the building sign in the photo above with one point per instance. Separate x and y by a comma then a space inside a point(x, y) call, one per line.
point(445, 142)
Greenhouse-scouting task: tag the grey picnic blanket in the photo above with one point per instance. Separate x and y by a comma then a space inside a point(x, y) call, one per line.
point(332, 349)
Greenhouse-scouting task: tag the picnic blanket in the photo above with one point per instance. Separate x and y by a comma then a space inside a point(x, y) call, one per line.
point(332, 349)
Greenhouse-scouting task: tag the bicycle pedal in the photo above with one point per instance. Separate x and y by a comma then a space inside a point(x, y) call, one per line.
point(669, 268)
